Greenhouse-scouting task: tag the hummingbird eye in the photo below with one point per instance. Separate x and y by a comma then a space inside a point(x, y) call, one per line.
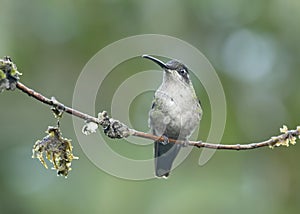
point(182, 72)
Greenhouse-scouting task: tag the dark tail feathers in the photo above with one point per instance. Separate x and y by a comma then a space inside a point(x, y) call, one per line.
point(164, 157)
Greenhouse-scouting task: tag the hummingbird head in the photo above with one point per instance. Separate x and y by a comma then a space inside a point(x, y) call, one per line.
point(174, 69)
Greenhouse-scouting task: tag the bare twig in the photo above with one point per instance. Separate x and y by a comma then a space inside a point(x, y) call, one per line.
point(115, 129)
point(54, 103)
point(274, 141)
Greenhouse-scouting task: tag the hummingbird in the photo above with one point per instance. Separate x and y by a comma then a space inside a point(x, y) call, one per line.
point(175, 113)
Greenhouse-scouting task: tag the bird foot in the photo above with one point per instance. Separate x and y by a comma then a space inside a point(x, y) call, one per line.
point(165, 140)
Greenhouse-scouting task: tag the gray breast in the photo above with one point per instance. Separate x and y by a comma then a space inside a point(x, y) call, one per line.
point(175, 118)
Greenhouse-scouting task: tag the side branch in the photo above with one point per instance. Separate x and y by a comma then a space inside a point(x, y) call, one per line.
point(115, 129)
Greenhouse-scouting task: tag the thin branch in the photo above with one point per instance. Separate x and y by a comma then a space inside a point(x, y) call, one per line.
point(115, 129)
point(54, 103)
point(274, 141)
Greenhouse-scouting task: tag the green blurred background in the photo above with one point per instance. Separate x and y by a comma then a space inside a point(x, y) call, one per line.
point(254, 47)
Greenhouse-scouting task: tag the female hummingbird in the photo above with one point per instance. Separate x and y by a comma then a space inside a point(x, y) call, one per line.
point(175, 113)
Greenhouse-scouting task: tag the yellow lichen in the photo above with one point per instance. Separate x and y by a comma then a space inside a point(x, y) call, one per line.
point(287, 138)
point(56, 149)
point(284, 129)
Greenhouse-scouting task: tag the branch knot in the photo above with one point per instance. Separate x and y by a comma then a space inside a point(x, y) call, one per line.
point(113, 128)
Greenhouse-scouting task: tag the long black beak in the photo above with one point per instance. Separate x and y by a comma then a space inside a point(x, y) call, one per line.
point(157, 61)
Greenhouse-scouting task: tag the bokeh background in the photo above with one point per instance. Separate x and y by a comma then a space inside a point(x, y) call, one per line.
point(254, 47)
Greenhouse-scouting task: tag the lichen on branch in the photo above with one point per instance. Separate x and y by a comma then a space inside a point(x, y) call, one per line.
point(9, 74)
point(56, 149)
